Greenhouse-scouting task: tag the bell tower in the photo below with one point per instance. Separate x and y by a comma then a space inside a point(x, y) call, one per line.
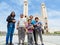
point(25, 8)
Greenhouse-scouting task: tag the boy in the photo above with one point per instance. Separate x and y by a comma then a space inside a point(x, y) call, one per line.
point(30, 32)
point(38, 29)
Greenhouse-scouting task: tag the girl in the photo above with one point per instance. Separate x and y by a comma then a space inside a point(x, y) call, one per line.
point(30, 32)
point(10, 27)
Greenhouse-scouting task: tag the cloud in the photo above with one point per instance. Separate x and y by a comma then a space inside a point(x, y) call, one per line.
point(53, 13)
point(18, 2)
point(5, 10)
point(54, 25)
point(3, 5)
point(53, 19)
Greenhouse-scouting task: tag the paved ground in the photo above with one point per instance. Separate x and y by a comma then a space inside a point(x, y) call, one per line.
point(48, 40)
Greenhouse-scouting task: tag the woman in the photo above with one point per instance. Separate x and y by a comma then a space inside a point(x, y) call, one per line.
point(10, 27)
point(21, 29)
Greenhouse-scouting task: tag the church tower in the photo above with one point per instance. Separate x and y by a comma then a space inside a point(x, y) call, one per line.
point(25, 8)
point(44, 16)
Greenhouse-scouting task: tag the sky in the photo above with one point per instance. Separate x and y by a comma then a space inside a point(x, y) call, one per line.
point(53, 11)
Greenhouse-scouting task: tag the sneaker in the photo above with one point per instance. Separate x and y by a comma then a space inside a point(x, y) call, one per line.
point(11, 44)
point(22, 43)
point(42, 44)
point(36, 44)
point(6, 44)
point(19, 43)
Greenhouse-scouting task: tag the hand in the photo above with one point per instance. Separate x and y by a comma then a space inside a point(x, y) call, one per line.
point(17, 27)
point(38, 25)
point(26, 31)
point(14, 20)
point(32, 27)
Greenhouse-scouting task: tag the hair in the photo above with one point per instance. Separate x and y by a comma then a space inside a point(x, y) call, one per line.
point(11, 13)
point(29, 19)
point(30, 16)
point(36, 18)
point(25, 16)
point(21, 14)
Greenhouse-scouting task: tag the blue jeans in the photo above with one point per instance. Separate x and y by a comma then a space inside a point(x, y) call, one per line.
point(10, 31)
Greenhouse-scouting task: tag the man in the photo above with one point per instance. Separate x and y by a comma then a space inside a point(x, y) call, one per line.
point(10, 27)
point(21, 29)
point(38, 30)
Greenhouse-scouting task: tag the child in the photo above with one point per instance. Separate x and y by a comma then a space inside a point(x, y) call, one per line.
point(38, 29)
point(30, 32)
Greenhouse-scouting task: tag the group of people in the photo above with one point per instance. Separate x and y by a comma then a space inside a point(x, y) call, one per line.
point(31, 27)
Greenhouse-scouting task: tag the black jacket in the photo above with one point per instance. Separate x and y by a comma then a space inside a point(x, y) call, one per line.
point(9, 19)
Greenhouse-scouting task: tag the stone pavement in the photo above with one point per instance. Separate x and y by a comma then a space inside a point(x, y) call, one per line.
point(48, 40)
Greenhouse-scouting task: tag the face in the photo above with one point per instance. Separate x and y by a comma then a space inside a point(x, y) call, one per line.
point(31, 17)
point(21, 16)
point(13, 13)
point(37, 20)
point(29, 21)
